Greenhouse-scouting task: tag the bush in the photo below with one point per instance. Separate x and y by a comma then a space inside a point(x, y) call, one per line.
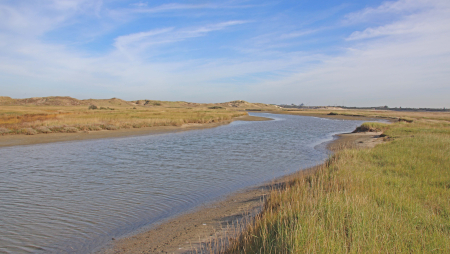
point(70, 129)
point(406, 119)
point(372, 127)
point(92, 107)
point(94, 128)
point(216, 107)
point(56, 128)
point(111, 127)
point(43, 129)
point(28, 131)
point(4, 131)
point(333, 114)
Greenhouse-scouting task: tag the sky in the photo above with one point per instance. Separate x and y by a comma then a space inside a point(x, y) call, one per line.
point(350, 53)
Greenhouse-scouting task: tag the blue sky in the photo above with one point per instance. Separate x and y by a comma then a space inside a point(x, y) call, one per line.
point(353, 53)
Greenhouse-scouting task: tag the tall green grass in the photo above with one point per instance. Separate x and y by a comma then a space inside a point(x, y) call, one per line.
point(394, 198)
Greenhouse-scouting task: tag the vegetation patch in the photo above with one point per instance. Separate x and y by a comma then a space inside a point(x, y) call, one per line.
point(43, 129)
point(94, 128)
point(110, 127)
point(372, 127)
point(389, 199)
point(70, 129)
point(28, 131)
point(4, 131)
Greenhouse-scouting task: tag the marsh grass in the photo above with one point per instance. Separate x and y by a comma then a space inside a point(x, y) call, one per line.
point(393, 198)
point(79, 118)
point(372, 127)
point(406, 116)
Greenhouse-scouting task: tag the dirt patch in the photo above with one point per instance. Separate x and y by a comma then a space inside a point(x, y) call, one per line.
point(356, 140)
point(15, 140)
point(252, 118)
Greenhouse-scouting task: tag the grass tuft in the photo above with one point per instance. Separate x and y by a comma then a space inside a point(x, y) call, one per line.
point(43, 129)
point(4, 131)
point(28, 131)
point(372, 127)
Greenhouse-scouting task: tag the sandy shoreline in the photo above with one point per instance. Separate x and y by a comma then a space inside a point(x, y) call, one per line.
point(16, 140)
point(194, 231)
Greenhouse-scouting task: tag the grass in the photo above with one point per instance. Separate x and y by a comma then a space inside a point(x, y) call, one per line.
point(372, 127)
point(46, 119)
point(407, 116)
point(393, 198)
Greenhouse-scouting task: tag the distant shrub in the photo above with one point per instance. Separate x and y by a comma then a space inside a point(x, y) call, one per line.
point(4, 131)
point(216, 107)
point(107, 108)
point(406, 119)
point(372, 127)
point(253, 109)
point(111, 127)
point(333, 114)
point(43, 129)
point(94, 128)
point(137, 125)
point(156, 104)
point(28, 131)
point(92, 107)
point(56, 128)
point(70, 129)
point(126, 126)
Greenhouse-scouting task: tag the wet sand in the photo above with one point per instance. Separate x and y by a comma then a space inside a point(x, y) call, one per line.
point(15, 140)
point(198, 230)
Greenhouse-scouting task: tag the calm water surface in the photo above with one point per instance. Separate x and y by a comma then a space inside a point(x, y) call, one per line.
point(73, 197)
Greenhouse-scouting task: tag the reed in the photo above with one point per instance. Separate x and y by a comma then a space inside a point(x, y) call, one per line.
point(46, 119)
point(393, 198)
point(407, 116)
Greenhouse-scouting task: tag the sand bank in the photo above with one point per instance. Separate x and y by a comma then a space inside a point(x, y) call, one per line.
point(194, 232)
point(15, 140)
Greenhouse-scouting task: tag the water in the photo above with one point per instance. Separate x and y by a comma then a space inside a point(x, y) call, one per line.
point(73, 197)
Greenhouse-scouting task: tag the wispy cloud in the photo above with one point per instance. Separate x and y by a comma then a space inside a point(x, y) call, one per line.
point(142, 40)
point(175, 6)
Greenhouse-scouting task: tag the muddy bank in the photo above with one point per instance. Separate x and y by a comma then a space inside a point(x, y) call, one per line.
point(194, 231)
point(15, 140)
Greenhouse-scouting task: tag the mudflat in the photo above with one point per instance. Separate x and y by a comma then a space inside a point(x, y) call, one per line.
point(15, 140)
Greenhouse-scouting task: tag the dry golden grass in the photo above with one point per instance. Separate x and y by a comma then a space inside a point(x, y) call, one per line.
point(15, 119)
point(388, 114)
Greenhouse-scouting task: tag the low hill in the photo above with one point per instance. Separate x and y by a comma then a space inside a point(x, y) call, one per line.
point(41, 101)
point(115, 102)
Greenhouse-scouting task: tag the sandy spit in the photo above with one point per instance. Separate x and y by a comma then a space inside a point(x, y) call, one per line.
point(16, 140)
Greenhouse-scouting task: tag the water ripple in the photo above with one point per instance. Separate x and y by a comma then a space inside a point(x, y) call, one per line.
point(73, 197)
